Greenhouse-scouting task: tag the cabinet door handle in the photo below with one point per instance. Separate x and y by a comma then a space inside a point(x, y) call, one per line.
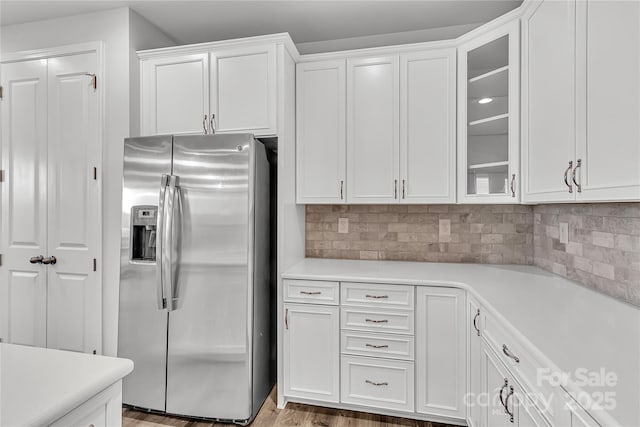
point(310, 293)
point(376, 296)
point(286, 318)
point(475, 326)
point(506, 404)
point(505, 385)
point(204, 124)
point(36, 259)
point(49, 260)
point(212, 124)
point(376, 321)
point(395, 188)
point(376, 346)
point(403, 188)
point(341, 190)
point(375, 383)
point(508, 353)
point(512, 185)
point(566, 172)
point(573, 177)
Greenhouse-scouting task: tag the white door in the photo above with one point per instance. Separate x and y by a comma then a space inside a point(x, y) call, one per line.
point(23, 286)
point(548, 104)
point(243, 90)
point(372, 130)
point(473, 400)
point(321, 132)
point(441, 352)
point(428, 127)
point(312, 352)
point(74, 286)
point(608, 103)
point(495, 387)
point(175, 95)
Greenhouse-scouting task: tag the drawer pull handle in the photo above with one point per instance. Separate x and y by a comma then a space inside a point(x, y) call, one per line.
point(310, 293)
point(475, 326)
point(506, 404)
point(377, 296)
point(375, 383)
point(506, 384)
point(508, 353)
point(376, 346)
point(376, 321)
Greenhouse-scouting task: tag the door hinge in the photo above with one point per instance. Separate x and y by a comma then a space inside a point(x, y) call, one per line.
point(1, 92)
point(0, 259)
point(1, 175)
point(95, 265)
point(94, 80)
point(95, 173)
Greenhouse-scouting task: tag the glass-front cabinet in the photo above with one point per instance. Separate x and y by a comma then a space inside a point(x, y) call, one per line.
point(488, 113)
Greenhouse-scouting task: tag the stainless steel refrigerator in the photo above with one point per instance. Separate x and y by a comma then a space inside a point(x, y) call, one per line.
point(194, 280)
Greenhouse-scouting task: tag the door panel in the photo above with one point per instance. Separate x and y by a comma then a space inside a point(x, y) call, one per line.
point(373, 133)
point(548, 115)
point(23, 286)
point(175, 94)
point(427, 127)
point(142, 326)
point(75, 289)
point(493, 384)
point(209, 363)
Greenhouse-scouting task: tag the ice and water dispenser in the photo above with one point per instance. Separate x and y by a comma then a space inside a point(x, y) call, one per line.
point(143, 233)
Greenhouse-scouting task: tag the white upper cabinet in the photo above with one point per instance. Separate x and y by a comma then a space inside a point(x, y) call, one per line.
point(194, 90)
point(175, 94)
point(428, 127)
point(548, 91)
point(321, 131)
point(372, 129)
point(581, 144)
point(488, 117)
point(243, 90)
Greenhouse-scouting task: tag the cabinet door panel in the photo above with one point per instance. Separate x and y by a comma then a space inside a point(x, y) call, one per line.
point(373, 133)
point(493, 388)
point(243, 90)
point(548, 100)
point(321, 132)
point(74, 289)
point(475, 363)
point(427, 127)
point(441, 352)
point(23, 286)
point(175, 94)
point(608, 103)
point(312, 352)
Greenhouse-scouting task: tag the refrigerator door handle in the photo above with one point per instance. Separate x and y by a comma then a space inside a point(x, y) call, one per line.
point(168, 245)
point(162, 302)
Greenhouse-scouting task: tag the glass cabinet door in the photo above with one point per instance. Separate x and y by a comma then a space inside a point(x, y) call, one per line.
point(488, 117)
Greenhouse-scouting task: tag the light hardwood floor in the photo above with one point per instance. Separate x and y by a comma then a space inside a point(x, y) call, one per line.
point(293, 415)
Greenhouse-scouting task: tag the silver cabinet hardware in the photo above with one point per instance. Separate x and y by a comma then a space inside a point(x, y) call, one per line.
point(505, 385)
point(506, 404)
point(286, 318)
point(403, 188)
point(475, 326)
point(395, 188)
point(36, 259)
point(575, 170)
point(49, 260)
point(94, 80)
point(341, 190)
point(204, 124)
point(376, 346)
point(566, 172)
point(375, 383)
point(212, 124)
point(376, 296)
point(512, 185)
point(376, 321)
point(310, 293)
point(508, 353)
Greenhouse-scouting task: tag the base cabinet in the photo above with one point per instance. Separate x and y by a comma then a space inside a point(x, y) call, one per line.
point(102, 410)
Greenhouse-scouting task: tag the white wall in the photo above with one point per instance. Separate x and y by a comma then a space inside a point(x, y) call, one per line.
point(122, 31)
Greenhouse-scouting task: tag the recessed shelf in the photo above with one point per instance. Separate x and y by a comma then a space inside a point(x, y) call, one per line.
point(492, 84)
point(489, 165)
point(489, 74)
point(489, 119)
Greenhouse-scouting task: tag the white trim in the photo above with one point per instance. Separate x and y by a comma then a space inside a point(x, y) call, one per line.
point(71, 49)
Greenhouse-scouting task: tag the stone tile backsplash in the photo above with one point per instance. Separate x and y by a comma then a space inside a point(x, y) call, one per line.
point(602, 250)
point(491, 234)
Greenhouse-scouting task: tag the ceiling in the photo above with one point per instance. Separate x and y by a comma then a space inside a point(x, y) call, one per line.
point(308, 21)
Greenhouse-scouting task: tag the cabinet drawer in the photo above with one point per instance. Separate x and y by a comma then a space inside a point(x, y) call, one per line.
point(363, 319)
point(383, 384)
point(378, 345)
point(371, 294)
point(311, 291)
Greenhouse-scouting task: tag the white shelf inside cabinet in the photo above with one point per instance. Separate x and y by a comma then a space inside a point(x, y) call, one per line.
point(493, 167)
point(492, 84)
point(495, 125)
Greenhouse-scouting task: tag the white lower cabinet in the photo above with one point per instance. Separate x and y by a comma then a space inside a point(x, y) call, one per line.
point(312, 352)
point(102, 410)
point(474, 377)
point(440, 351)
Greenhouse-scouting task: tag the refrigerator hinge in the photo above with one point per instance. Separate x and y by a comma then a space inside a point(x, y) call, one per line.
point(95, 265)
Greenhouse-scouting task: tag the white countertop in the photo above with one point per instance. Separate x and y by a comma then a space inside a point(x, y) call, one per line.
point(571, 326)
point(39, 386)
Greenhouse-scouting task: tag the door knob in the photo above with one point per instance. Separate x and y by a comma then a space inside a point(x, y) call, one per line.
point(49, 260)
point(36, 259)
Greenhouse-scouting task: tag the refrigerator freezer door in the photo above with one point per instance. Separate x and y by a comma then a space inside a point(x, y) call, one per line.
point(142, 335)
point(209, 350)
